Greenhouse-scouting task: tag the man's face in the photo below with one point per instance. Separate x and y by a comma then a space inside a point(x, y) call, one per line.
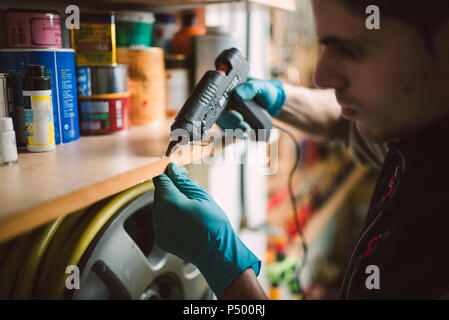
point(385, 80)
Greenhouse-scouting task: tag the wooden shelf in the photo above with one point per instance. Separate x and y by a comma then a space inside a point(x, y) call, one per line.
point(45, 186)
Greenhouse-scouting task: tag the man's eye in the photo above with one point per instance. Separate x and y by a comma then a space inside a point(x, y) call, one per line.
point(352, 53)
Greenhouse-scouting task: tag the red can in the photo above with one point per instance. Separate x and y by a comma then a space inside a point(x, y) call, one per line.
point(105, 113)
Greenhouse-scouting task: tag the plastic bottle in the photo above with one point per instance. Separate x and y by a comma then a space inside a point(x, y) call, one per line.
point(8, 147)
point(164, 30)
point(38, 109)
point(182, 39)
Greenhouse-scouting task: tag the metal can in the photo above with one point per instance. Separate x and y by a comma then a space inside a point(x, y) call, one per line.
point(33, 28)
point(94, 80)
point(17, 111)
point(94, 41)
point(103, 114)
point(177, 82)
point(207, 47)
point(147, 83)
point(5, 104)
point(134, 29)
point(60, 66)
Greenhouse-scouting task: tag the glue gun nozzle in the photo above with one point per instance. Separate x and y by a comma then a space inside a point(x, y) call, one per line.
point(173, 147)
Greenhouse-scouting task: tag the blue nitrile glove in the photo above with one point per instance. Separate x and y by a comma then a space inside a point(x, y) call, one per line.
point(189, 224)
point(269, 94)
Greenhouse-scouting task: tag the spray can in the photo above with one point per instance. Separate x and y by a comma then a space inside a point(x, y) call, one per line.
point(8, 147)
point(38, 109)
point(5, 103)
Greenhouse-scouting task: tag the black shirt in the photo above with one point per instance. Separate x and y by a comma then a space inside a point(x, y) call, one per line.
point(406, 235)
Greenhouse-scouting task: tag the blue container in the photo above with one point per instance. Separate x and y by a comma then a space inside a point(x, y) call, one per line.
point(60, 66)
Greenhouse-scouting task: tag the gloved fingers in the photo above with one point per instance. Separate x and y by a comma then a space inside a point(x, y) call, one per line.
point(232, 120)
point(270, 94)
point(233, 117)
point(166, 190)
point(188, 187)
point(263, 91)
point(248, 90)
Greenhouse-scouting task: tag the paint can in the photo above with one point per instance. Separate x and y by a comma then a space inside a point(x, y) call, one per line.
point(33, 28)
point(207, 47)
point(105, 113)
point(147, 83)
point(177, 82)
point(60, 66)
point(104, 99)
point(15, 99)
point(94, 80)
point(94, 41)
point(134, 29)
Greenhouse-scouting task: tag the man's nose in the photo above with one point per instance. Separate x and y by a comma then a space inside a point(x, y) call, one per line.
point(327, 73)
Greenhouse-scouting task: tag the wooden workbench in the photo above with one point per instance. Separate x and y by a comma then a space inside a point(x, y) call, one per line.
point(45, 186)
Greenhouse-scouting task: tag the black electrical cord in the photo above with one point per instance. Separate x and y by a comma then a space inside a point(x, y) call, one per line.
point(305, 247)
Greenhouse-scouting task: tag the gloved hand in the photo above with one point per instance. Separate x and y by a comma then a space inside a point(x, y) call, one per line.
point(189, 224)
point(269, 94)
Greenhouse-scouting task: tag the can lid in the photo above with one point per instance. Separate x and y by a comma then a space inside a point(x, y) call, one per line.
point(97, 17)
point(6, 124)
point(216, 30)
point(20, 10)
point(135, 16)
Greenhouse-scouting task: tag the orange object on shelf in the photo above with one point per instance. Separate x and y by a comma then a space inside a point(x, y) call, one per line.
point(147, 83)
point(182, 41)
point(270, 256)
point(275, 293)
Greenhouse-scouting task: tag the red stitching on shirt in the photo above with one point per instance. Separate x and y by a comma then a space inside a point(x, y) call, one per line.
point(371, 243)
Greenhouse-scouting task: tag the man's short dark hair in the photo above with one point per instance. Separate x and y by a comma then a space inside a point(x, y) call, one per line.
point(426, 15)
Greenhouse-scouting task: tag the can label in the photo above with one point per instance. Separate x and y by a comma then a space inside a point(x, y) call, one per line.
point(60, 66)
point(82, 81)
point(95, 44)
point(39, 121)
point(104, 116)
point(31, 29)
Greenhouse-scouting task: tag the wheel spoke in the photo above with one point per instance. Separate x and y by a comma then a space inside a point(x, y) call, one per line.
point(127, 270)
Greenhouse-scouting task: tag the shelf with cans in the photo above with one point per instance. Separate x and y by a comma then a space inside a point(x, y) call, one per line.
point(122, 83)
point(125, 68)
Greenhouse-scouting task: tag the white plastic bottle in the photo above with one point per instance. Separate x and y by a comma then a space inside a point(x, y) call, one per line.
point(8, 147)
point(38, 109)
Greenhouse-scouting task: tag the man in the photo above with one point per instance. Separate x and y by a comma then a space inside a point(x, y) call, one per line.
point(392, 111)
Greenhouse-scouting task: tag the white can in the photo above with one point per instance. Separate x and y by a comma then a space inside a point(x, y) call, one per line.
point(177, 83)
